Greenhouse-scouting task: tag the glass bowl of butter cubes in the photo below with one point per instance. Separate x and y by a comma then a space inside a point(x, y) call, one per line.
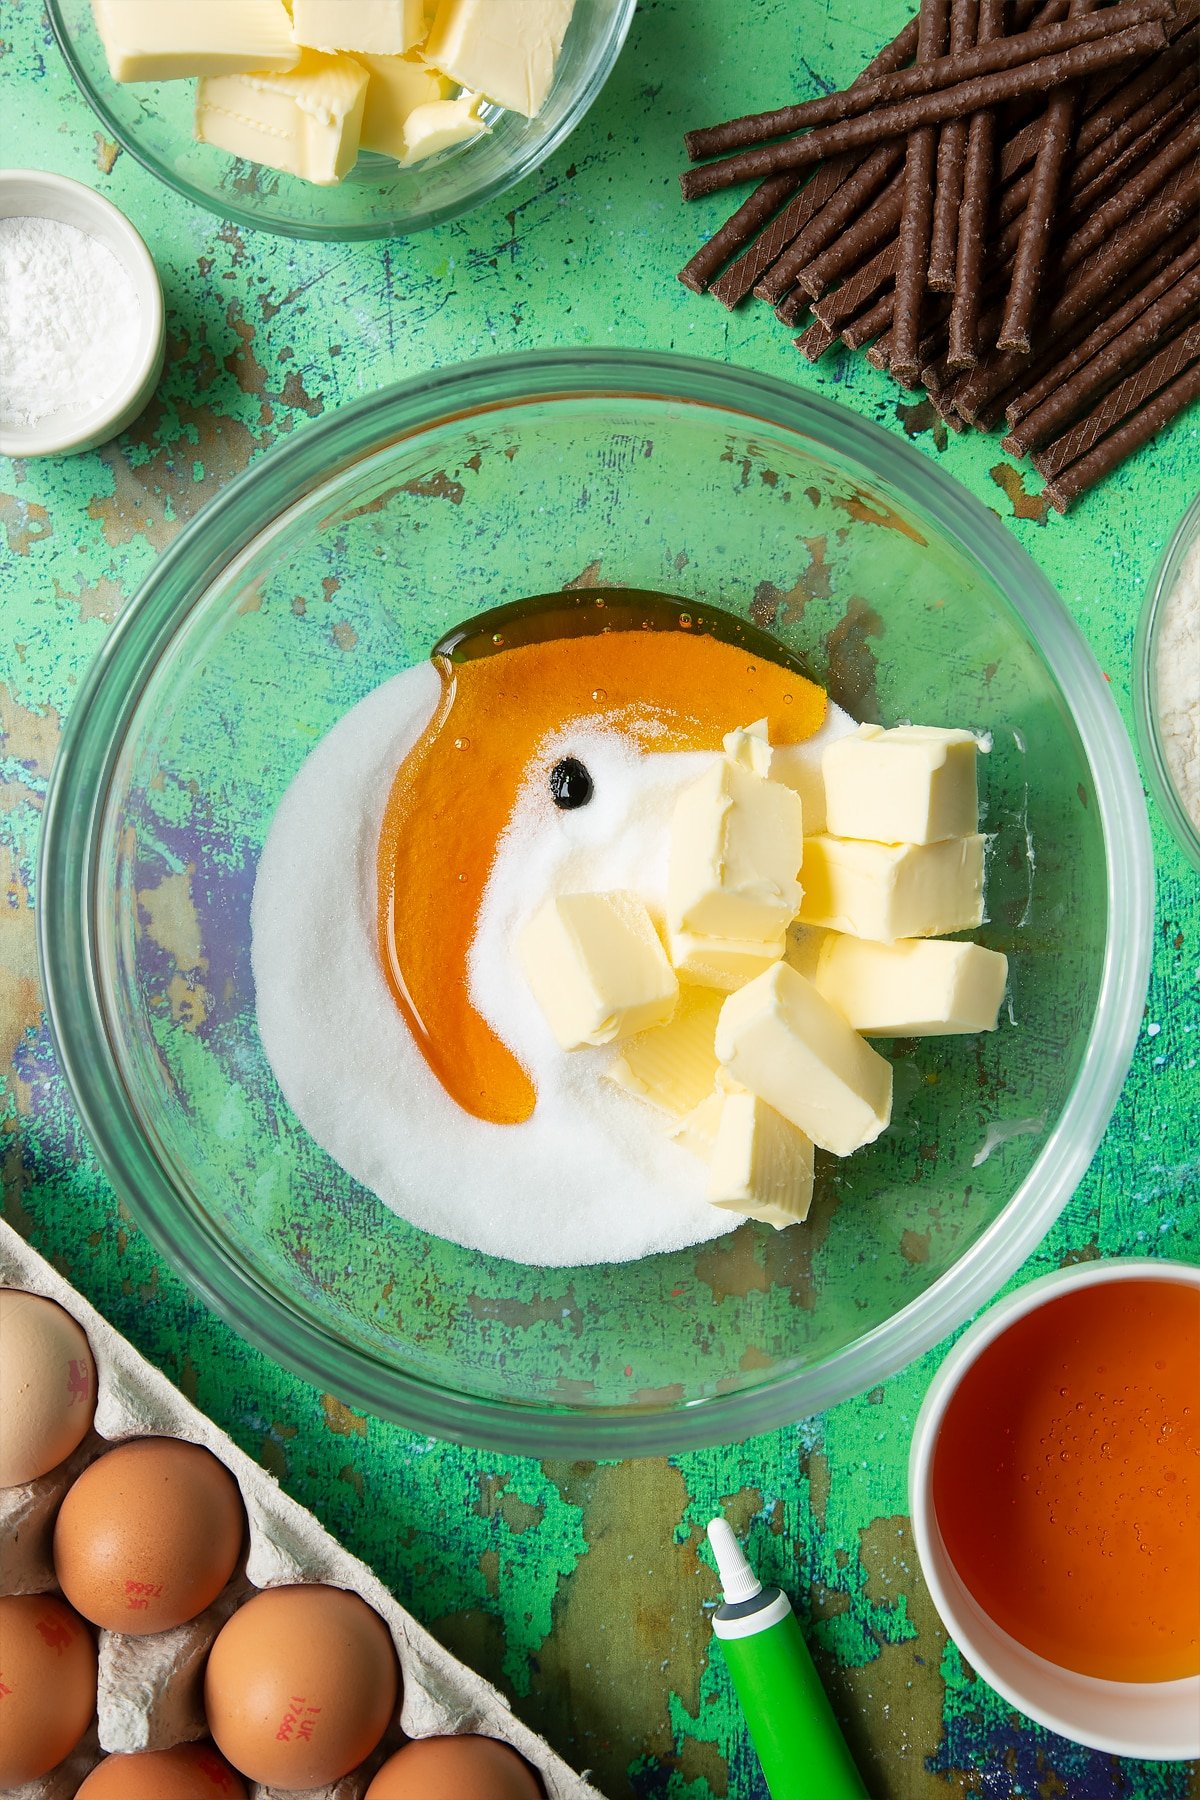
point(340, 119)
point(260, 796)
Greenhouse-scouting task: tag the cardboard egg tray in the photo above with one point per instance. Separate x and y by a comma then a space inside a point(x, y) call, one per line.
point(151, 1688)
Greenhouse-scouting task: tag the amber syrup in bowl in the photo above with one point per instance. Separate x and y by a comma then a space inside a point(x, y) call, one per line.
point(1056, 1501)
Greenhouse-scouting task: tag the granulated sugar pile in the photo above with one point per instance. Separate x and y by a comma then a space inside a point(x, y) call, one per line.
point(1177, 675)
point(591, 1177)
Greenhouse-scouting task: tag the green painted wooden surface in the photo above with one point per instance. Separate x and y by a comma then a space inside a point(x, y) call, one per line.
point(579, 1588)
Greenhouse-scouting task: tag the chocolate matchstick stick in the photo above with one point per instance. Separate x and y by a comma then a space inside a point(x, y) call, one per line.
point(821, 231)
point(1136, 429)
point(1129, 396)
point(738, 233)
point(848, 300)
point(973, 213)
point(916, 217)
point(888, 122)
point(1140, 289)
point(1121, 354)
point(738, 230)
point(814, 342)
point(948, 172)
point(1095, 277)
point(754, 212)
point(869, 325)
point(872, 229)
point(1030, 257)
point(931, 73)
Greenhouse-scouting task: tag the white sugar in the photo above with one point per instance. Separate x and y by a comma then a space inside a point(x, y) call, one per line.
point(69, 321)
point(591, 1176)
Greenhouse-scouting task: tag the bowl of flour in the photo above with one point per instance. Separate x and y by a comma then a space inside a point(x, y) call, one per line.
point(81, 317)
point(1167, 683)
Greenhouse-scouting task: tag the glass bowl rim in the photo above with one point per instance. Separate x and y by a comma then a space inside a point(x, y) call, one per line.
point(401, 225)
point(1145, 682)
point(67, 914)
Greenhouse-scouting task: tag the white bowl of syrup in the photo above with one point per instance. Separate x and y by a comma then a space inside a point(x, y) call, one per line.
point(1054, 1484)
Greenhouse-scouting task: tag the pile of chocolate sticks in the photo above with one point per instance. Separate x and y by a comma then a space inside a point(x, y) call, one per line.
point(1005, 207)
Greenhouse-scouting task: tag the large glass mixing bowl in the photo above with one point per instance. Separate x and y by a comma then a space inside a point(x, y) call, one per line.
point(153, 120)
point(338, 560)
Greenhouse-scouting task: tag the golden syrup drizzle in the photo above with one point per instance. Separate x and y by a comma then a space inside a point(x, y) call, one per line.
point(508, 682)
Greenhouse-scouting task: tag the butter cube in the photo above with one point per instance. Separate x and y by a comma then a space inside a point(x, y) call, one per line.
point(736, 845)
point(505, 49)
point(675, 1065)
point(917, 987)
point(781, 1039)
point(597, 968)
point(889, 891)
point(761, 1165)
point(382, 27)
point(161, 40)
point(803, 946)
point(697, 1133)
point(750, 747)
point(441, 124)
point(716, 962)
point(798, 767)
point(307, 122)
point(395, 88)
point(914, 784)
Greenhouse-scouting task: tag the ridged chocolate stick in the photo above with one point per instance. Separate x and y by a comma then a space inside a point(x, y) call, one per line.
point(1129, 396)
point(916, 218)
point(1140, 289)
point(1033, 242)
point(1095, 277)
point(738, 280)
point(973, 213)
point(889, 122)
point(869, 325)
point(841, 211)
point(1136, 429)
point(873, 229)
point(814, 342)
point(948, 171)
point(861, 287)
point(930, 74)
point(753, 213)
point(1120, 355)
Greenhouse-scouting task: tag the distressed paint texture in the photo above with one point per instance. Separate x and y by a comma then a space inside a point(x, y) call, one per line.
point(580, 1588)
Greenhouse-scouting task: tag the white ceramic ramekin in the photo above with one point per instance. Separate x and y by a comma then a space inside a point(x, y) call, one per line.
point(1155, 1719)
point(32, 193)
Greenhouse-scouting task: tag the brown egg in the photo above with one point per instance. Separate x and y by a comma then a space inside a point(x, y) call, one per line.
point(149, 1535)
point(47, 1386)
point(47, 1684)
point(301, 1685)
point(189, 1772)
point(455, 1768)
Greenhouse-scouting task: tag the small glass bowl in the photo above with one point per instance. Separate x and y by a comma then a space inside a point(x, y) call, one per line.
point(379, 198)
point(1145, 684)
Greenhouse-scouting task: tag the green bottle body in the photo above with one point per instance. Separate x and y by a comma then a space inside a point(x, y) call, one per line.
point(792, 1725)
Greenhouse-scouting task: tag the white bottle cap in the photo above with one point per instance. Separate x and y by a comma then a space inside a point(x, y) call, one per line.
point(738, 1580)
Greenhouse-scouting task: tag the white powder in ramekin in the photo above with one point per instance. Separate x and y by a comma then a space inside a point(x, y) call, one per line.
point(1177, 681)
point(69, 321)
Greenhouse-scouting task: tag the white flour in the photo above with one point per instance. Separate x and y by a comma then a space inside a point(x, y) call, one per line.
point(69, 321)
point(1178, 682)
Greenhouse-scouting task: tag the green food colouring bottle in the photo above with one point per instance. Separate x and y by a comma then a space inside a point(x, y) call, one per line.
point(792, 1727)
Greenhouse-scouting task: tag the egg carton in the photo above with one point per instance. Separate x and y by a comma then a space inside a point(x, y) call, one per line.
point(151, 1688)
